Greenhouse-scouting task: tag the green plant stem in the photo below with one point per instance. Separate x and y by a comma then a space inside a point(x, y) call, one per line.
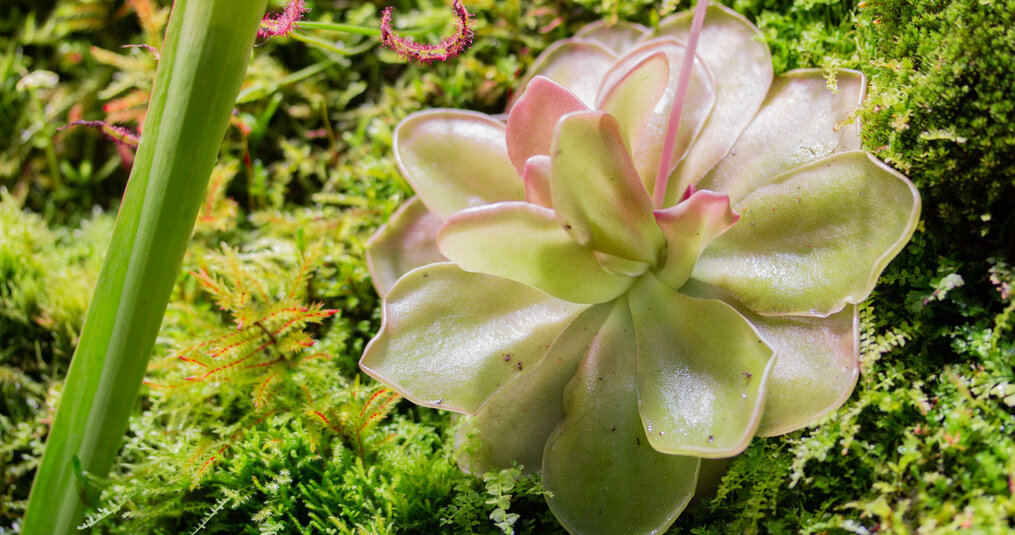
point(337, 27)
point(358, 30)
point(204, 58)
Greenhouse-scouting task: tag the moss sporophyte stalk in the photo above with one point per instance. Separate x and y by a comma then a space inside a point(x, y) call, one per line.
point(657, 256)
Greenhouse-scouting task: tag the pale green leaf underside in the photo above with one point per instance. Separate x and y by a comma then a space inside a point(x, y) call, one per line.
point(523, 242)
point(604, 475)
point(596, 192)
point(815, 238)
point(455, 159)
point(446, 333)
point(407, 241)
point(515, 424)
point(702, 371)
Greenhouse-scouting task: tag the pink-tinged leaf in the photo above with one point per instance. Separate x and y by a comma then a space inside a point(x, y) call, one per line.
point(814, 239)
point(537, 181)
point(455, 159)
point(617, 36)
point(576, 64)
point(407, 241)
point(698, 103)
point(532, 119)
point(817, 365)
point(633, 97)
point(598, 197)
point(702, 372)
point(689, 227)
point(514, 425)
point(738, 58)
point(800, 121)
point(604, 475)
point(523, 242)
point(445, 333)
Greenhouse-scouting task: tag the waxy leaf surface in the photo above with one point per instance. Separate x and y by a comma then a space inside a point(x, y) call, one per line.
point(698, 104)
point(533, 118)
point(617, 36)
point(815, 238)
point(577, 64)
point(702, 371)
point(523, 242)
point(801, 121)
point(604, 475)
point(596, 192)
point(480, 171)
point(736, 54)
point(515, 424)
point(446, 331)
point(689, 227)
point(407, 241)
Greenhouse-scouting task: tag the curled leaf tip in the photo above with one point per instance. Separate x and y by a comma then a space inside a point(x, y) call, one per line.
point(425, 53)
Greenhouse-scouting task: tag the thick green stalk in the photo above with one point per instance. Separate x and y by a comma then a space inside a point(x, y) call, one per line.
point(203, 62)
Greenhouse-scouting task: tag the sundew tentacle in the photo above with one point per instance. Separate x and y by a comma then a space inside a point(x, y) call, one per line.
point(425, 53)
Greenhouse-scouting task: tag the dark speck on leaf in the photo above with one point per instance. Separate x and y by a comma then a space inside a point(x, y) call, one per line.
point(711, 438)
point(637, 441)
point(507, 357)
point(614, 428)
point(519, 365)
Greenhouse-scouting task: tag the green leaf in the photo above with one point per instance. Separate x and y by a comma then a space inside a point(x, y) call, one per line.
point(604, 475)
point(800, 122)
point(204, 58)
point(446, 334)
point(523, 242)
point(735, 52)
point(702, 372)
point(632, 97)
point(533, 118)
point(515, 424)
point(537, 181)
point(814, 239)
point(698, 104)
point(407, 241)
point(455, 159)
point(817, 365)
point(689, 227)
point(596, 192)
point(617, 36)
point(577, 64)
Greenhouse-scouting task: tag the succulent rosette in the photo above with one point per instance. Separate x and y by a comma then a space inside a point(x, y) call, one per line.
point(608, 335)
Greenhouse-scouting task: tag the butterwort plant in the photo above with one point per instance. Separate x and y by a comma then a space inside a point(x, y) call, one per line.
point(657, 256)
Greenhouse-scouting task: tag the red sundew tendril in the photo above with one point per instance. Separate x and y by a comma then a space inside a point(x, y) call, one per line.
point(283, 23)
point(424, 53)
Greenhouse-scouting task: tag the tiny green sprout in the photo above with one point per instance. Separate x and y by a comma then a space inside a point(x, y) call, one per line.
point(671, 239)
